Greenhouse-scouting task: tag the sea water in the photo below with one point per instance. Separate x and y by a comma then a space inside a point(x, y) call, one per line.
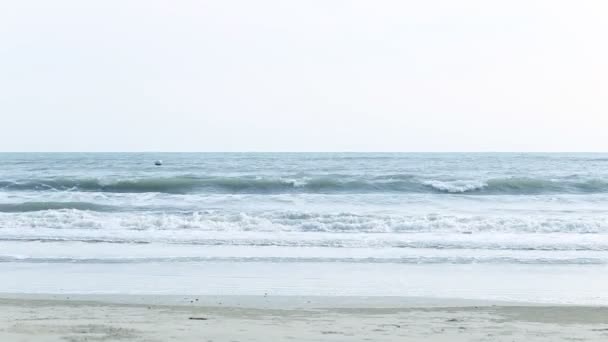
point(529, 227)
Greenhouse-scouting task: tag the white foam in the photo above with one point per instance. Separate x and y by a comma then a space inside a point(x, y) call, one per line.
point(457, 186)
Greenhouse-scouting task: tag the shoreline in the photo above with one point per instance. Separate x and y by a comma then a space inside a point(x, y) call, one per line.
point(61, 317)
point(555, 284)
point(287, 302)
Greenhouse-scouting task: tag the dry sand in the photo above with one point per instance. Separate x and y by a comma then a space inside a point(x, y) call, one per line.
point(146, 318)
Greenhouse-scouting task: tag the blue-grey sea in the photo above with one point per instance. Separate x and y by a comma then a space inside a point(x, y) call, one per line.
point(529, 227)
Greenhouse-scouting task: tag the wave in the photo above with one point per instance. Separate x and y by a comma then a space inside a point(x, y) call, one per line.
point(522, 186)
point(327, 184)
point(42, 206)
point(402, 260)
point(449, 243)
point(187, 184)
point(151, 223)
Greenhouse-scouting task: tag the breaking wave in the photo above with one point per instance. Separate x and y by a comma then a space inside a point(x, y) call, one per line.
point(180, 225)
point(42, 206)
point(327, 184)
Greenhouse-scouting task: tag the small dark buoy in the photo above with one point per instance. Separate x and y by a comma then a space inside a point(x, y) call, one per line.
point(158, 163)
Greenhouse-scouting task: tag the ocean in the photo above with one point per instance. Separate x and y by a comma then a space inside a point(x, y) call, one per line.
point(522, 227)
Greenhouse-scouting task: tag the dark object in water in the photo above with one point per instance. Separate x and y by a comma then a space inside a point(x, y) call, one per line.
point(158, 163)
point(198, 318)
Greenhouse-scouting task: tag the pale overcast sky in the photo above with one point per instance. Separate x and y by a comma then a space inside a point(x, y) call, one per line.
point(326, 75)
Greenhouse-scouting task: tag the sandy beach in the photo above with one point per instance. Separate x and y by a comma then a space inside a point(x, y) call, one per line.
point(240, 318)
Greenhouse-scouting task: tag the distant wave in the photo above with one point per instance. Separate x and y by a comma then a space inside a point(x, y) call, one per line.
point(41, 206)
point(327, 184)
point(185, 184)
point(524, 186)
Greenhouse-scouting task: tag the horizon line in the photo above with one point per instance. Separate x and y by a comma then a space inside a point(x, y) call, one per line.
point(328, 152)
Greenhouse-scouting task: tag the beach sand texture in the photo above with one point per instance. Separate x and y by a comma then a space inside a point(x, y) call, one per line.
point(69, 319)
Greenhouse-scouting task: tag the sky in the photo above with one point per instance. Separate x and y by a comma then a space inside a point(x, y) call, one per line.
point(315, 75)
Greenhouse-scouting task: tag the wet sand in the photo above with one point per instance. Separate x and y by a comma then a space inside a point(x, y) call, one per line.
point(257, 318)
